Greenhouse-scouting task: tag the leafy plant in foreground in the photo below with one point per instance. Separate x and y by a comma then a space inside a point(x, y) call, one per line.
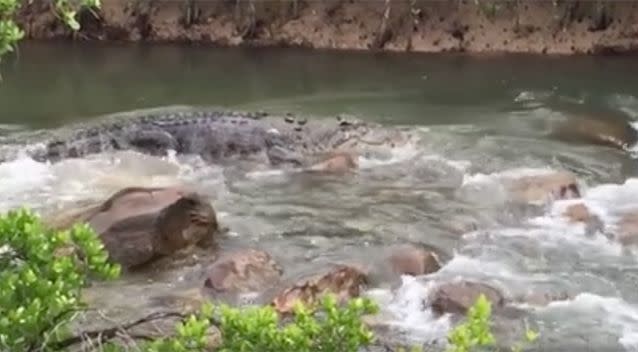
point(476, 331)
point(330, 329)
point(42, 273)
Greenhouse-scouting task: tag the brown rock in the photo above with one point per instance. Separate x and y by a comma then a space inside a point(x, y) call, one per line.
point(611, 131)
point(458, 297)
point(242, 271)
point(628, 229)
point(543, 299)
point(345, 282)
point(413, 260)
point(580, 213)
point(337, 162)
point(138, 225)
point(538, 188)
point(577, 213)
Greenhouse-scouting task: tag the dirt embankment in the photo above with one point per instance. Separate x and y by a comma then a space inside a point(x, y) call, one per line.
point(483, 26)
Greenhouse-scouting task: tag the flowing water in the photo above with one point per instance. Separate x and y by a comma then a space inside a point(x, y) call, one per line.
point(479, 119)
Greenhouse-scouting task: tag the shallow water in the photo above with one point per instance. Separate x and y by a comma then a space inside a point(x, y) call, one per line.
point(478, 120)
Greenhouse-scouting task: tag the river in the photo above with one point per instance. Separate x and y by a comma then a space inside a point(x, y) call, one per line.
point(478, 118)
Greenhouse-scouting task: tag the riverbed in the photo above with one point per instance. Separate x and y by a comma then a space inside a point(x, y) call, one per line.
point(478, 118)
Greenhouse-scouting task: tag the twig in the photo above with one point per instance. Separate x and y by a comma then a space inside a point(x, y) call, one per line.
point(110, 333)
point(55, 323)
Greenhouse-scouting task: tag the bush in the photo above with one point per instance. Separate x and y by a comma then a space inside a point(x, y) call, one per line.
point(476, 331)
point(42, 273)
point(329, 329)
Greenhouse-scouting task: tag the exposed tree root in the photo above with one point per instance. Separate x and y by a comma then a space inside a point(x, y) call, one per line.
point(384, 34)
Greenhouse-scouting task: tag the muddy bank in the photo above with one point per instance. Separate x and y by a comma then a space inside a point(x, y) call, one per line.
point(547, 27)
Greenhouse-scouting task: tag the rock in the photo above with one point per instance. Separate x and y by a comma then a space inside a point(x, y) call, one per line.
point(612, 131)
point(246, 270)
point(337, 162)
point(577, 213)
point(458, 297)
point(138, 225)
point(627, 229)
point(544, 298)
point(413, 260)
point(345, 282)
point(539, 188)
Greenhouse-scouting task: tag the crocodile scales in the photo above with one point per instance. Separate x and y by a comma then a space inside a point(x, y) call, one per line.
point(214, 135)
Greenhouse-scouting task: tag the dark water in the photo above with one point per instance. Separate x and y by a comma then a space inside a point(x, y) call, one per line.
point(478, 118)
point(49, 84)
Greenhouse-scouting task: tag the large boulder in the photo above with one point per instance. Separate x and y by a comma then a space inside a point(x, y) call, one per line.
point(138, 224)
point(241, 271)
point(343, 281)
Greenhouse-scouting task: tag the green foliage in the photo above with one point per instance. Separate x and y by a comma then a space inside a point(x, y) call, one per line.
point(42, 273)
point(331, 329)
point(191, 335)
point(475, 331)
point(530, 337)
point(11, 34)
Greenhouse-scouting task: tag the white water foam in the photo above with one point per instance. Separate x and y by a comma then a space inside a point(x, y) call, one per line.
point(490, 189)
point(403, 311)
point(616, 313)
point(45, 185)
point(609, 202)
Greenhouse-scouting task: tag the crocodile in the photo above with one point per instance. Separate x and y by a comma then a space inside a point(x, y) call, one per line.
point(215, 135)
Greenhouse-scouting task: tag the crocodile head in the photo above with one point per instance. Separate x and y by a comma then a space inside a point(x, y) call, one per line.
point(304, 142)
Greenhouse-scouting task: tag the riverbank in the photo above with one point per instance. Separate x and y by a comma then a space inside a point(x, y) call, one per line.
point(486, 27)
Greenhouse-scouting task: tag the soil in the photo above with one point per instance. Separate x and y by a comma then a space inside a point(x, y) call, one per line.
point(481, 26)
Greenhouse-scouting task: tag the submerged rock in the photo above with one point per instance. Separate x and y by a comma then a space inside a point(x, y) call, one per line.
point(246, 270)
point(627, 229)
point(343, 281)
point(545, 298)
point(610, 131)
point(577, 213)
point(542, 187)
point(336, 162)
point(139, 224)
point(413, 260)
point(457, 297)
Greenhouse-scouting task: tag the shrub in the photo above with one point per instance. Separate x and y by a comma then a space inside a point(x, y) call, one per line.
point(329, 329)
point(42, 273)
point(476, 331)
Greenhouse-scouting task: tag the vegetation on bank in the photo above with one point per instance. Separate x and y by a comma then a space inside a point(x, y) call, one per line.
point(397, 18)
point(11, 34)
point(43, 273)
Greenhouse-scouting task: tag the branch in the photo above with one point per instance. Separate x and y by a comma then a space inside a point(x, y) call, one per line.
point(110, 333)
